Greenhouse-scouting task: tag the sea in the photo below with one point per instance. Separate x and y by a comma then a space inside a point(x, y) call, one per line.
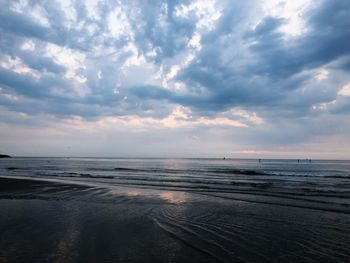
point(217, 175)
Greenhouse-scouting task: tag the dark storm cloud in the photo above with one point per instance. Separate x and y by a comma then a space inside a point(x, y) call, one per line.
point(267, 26)
point(24, 84)
point(21, 25)
point(40, 63)
point(326, 41)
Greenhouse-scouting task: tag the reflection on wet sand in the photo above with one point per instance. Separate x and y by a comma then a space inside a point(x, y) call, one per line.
point(68, 238)
point(174, 197)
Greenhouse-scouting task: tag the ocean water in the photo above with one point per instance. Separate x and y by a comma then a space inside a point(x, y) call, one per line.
point(323, 185)
point(176, 210)
point(217, 175)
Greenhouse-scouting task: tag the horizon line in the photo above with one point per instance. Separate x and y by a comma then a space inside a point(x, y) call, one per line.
point(157, 157)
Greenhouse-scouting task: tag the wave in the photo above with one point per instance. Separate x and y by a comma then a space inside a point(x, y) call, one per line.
point(83, 175)
point(182, 171)
point(164, 180)
point(215, 173)
point(219, 171)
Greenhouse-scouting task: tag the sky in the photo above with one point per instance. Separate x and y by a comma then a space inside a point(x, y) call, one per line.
point(176, 78)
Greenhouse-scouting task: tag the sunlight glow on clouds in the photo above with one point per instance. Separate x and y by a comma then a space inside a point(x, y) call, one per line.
point(345, 91)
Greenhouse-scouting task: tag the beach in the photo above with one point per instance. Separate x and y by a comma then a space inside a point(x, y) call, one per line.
point(172, 211)
point(174, 131)
point(45, 219)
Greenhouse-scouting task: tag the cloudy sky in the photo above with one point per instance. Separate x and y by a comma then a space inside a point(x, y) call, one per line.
point(176, 78)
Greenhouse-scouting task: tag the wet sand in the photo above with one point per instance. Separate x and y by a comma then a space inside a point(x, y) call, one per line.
point(45, 221)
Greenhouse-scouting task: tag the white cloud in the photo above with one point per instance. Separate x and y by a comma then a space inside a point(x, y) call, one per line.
point(16, 65)
point(293, 11)
point(71, 59)
point(345, 91)
point(28, 45)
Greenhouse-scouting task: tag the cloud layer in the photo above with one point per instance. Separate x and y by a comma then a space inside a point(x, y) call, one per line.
point(264, 76)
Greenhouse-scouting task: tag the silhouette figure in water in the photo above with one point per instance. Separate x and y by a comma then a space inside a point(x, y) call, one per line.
point(259, 160)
